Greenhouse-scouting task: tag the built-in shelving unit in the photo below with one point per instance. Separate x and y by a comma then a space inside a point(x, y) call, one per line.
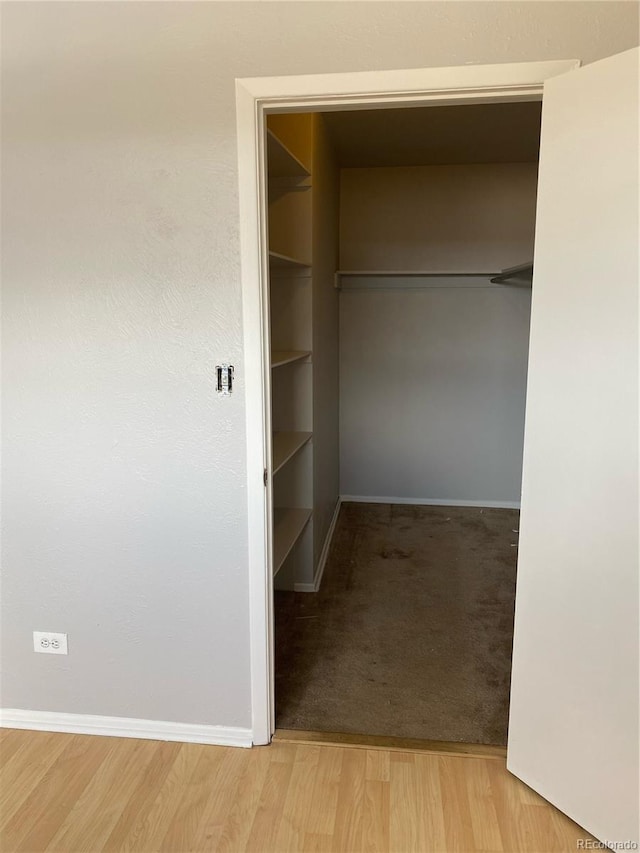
point(290, 272)
point(282, 357)
point(286, 445)
point(288, 526)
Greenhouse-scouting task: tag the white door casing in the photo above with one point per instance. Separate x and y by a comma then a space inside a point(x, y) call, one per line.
point(256, 97)
point(573, 729)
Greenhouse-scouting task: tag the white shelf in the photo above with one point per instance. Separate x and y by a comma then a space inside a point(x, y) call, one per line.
point(281, 162)
point(288, 526)
point(279, 261)
point(278, 186)
point(280, 357)
point(286, 445)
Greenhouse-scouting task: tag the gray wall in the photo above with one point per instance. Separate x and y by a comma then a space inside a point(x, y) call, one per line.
point(432, 392)
point(124, 481)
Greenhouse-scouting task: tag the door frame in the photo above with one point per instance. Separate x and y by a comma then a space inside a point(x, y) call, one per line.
point(256, 97)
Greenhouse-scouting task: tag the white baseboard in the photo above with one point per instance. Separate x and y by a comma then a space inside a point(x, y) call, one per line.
point(89, 724)
point(369, 499)
point(324, 554)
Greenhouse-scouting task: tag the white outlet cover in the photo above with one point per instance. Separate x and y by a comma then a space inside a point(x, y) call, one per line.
point(50, 643)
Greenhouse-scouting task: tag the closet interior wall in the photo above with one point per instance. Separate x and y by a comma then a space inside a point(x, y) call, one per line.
point(433, 367)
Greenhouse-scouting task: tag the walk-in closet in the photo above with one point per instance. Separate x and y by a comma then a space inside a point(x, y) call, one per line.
point(400, 267)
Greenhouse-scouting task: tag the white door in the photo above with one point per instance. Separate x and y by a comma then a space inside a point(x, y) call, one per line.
point(573, 730)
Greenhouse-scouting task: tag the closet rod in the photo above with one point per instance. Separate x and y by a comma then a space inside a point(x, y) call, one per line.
point(521, 272)
point(410, 280)
point(414, 273)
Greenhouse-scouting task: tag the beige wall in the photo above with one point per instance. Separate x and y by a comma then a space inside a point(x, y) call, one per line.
point(124, 480)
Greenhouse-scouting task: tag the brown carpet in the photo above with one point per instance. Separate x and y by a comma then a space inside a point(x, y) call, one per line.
point(410, 634)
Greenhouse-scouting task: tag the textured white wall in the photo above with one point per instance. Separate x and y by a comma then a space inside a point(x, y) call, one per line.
point(124, 480)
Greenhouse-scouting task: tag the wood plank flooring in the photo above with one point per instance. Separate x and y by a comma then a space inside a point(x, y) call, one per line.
point(73, 793)
point(394, 744)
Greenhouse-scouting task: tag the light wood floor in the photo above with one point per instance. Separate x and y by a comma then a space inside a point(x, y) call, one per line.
point(81, 793)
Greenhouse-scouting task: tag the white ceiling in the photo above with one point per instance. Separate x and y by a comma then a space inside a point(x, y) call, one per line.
point(419, 136)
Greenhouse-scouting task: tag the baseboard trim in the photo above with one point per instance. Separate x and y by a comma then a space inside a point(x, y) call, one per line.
point(324, 554)
point(392, 744)
point(376, 499)
point(90, 724)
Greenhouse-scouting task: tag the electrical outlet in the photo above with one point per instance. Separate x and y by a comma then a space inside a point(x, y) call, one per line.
point(49, 643)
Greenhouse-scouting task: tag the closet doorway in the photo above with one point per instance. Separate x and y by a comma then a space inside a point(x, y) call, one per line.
point(574, 681)
point(398, 385)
